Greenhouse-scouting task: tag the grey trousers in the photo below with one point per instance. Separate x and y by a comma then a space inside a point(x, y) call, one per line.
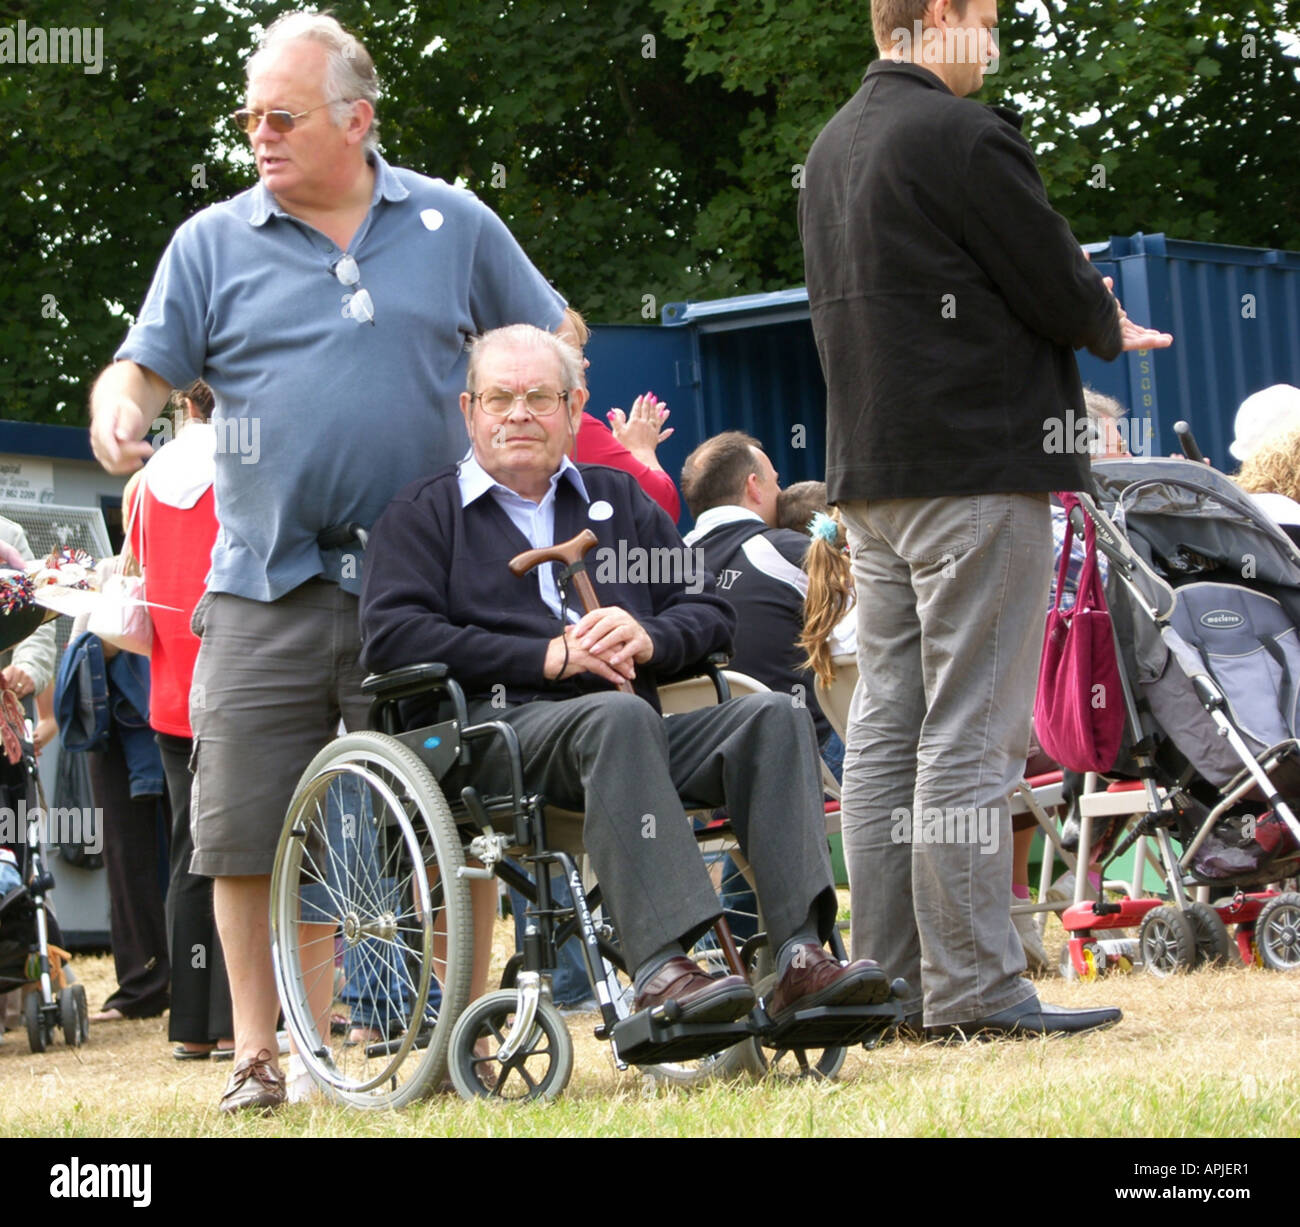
point(615, 758)
point(951, 598)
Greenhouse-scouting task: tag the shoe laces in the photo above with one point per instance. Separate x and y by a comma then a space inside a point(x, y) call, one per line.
point(260, 1068)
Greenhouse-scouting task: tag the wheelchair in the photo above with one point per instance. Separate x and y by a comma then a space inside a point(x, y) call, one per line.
point(372, 929)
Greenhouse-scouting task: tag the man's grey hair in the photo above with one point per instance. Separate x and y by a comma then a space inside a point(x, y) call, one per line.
point(349, 73)
point(525, 336)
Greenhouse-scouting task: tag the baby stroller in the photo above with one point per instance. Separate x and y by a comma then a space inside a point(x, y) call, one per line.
point(1204, 592)
point(31, 957)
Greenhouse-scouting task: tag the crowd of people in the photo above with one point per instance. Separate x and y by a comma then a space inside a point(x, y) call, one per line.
point(343, 308)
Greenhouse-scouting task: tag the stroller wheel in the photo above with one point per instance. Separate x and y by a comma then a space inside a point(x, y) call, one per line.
point(1277, 932)
point(74, 1015)
point(1167, 942)
point(1213, 943)
point(38, 1031)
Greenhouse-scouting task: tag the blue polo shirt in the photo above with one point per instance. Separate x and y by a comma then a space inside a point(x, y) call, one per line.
point(321, 419)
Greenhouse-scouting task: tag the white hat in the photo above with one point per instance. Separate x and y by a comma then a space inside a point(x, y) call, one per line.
point(1263, 414)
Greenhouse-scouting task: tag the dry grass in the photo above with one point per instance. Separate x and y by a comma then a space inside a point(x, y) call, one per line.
point(1213, 1054)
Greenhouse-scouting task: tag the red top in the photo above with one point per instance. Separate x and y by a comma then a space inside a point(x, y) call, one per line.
point(173, 537)
point(597, 445)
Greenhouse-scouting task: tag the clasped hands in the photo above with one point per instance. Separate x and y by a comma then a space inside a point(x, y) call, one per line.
point(608, 642)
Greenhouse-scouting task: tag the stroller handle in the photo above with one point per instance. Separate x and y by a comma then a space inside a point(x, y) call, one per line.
point(1187, 441)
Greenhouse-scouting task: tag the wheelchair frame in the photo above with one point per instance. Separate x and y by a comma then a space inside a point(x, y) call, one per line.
point(420, 845)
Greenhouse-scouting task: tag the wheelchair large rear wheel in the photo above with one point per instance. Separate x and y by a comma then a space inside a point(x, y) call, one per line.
point(365, 893)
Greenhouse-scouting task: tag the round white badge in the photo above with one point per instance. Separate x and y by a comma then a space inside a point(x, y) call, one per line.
point(431, 218)
point(600, 510)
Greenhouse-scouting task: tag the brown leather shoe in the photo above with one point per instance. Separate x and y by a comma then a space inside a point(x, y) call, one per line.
point(815, 977)
point(256, 1083)
point(699, 997)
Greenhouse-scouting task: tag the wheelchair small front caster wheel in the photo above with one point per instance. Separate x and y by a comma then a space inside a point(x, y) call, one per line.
point(539, 1069)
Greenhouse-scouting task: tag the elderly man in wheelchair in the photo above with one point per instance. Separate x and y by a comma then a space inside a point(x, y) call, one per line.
point(565, 703)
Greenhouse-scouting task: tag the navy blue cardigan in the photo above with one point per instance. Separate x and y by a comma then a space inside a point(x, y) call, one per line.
point(438, 588)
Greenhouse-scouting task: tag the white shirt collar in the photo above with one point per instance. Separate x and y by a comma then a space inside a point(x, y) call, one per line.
point(475, 481)
point(729, 513)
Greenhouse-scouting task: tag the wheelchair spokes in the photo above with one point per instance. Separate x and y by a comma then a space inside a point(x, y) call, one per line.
point(352, 900)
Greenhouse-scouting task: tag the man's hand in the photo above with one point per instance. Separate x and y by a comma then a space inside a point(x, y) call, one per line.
point(615, 635)
point(11, 558)
point(125, 400)
point(642, 430)
point(1135, 336)
point(608, 642)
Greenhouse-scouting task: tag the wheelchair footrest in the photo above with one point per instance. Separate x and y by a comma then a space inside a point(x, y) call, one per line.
point(644, 1039)
point(825, 1026)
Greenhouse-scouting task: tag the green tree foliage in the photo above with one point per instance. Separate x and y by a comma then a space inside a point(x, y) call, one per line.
point(642, 150)
point(96, 171)
point(1180, 118)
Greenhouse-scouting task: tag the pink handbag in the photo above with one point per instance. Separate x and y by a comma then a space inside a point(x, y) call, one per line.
point(1079, 708)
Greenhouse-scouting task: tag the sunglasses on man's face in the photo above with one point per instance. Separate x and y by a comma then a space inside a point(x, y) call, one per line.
point(248, 121)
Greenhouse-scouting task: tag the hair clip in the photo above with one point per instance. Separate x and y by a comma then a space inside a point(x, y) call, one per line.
point(825, 527)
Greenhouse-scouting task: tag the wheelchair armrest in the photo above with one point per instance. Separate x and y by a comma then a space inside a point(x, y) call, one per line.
point(385, 689)
point(404, 682)
point(711, 667)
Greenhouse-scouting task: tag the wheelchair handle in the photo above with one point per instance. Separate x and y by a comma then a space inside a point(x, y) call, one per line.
point(570, 553)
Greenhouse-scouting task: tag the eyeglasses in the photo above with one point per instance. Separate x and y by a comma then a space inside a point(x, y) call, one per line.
point(357, 305)
point(248, 121)
point(540, 402)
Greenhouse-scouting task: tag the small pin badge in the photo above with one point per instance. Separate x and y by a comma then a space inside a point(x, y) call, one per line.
point(600, 510)
point(431, 218)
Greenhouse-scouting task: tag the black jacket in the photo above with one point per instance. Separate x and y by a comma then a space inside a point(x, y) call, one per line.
point(947, 297)
point(766, 587)
point(438, 588)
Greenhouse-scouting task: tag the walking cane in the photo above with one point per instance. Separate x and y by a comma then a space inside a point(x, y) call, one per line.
point(571, 554)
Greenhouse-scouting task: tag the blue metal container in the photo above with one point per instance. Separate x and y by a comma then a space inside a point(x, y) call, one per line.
point(1234, 313)
point(749, 363)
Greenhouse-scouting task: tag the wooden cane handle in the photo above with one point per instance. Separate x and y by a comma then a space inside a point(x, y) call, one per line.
point(567, 552)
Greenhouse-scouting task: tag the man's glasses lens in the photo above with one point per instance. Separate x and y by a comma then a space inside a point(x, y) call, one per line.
point(247, 121)
point(541, 402)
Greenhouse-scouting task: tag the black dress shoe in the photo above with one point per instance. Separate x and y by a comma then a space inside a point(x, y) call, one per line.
point(910, 1030)
point(815, 978)
point(1031, 1017)
point(700, 998)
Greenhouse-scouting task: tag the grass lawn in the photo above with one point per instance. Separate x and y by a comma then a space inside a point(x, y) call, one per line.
point(1213, 1054)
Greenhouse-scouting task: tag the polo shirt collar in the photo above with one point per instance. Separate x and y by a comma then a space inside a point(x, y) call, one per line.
point(387, 187)
point(475, 481)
